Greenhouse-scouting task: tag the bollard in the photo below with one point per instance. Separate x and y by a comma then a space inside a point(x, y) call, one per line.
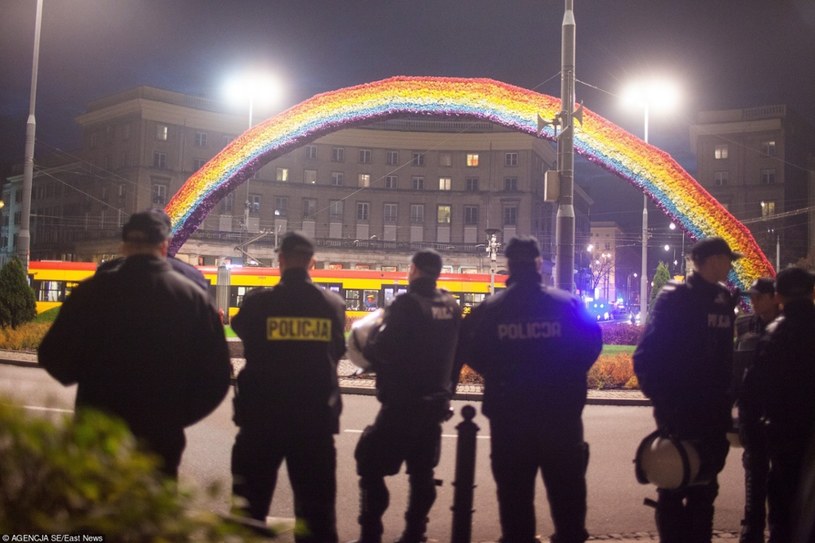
point(465, 477)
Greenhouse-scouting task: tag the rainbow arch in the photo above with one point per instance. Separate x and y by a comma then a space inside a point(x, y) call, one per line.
point(649, 169)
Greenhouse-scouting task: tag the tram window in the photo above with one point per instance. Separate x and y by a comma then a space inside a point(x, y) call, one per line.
point(371, 300)
point(51, 291)
point(236, 295)
point(353, 301)
point(472, 298)
point(392, 292)
point(333, 287)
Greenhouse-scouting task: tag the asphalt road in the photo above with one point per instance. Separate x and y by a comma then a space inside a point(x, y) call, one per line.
point(615, 498)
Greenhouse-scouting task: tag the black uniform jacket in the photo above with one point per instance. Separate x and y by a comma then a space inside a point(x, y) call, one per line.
point(293, 336)
point(779, 387)
point(534, 346)
point(413, 352)
point(142, 342)
point(684, 358)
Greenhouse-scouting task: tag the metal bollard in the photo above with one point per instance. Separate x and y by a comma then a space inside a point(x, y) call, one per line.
point(465, 477)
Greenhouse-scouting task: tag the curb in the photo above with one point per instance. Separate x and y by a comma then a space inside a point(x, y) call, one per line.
point(366, 387)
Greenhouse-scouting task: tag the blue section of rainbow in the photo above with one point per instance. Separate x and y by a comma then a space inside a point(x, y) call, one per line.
point(649, 169)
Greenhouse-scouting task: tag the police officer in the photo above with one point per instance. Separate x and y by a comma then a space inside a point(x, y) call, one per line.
point(534, 346)
point(684, 364)
point(412, 353)
point(156, 354)
point(778, 388)
point(287, 402)
point(755, 458)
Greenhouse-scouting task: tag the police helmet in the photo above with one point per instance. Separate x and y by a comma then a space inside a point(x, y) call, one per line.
point(666, 462)
point(358, 338)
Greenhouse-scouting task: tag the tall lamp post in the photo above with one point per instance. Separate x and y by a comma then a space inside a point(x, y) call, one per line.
point(252, 89)
point(647, 95)
point(492, 247)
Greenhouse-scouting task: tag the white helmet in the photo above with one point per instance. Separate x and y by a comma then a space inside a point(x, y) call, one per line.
point(667, 462)
point(358, 338)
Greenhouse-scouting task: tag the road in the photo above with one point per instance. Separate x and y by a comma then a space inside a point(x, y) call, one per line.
point(615, 498)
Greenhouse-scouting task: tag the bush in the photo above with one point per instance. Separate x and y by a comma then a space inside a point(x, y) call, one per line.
point(88, 477)
point(26, 337)
point(621, 333)
point(613, 371)
point(17, 302)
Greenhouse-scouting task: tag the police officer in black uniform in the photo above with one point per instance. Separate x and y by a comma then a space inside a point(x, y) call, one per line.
point(778, 389)
point(684, 364)
point(287, 401)
point(534, 346)
point(413, 354)
point(755, 458)
point(142, 342)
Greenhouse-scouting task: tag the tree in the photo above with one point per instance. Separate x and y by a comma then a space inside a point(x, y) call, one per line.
point(17, 303)
point(661, 276)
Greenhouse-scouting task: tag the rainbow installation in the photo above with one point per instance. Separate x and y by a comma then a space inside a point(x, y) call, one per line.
point(644, 166)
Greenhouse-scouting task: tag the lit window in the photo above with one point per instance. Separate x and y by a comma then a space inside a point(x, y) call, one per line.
point(445, 183)
point(282, 174)
point(768, 147)
point(767, 208)
point(162, 131)
point(720, 151)
point(443, 214)
point(364, 180)
point(472, 160)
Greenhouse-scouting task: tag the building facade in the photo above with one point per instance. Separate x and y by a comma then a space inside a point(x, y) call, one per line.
point(754, 162)
point(369, 196)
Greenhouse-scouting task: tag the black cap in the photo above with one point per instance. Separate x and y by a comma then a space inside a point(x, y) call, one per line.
point(522, 249)
point(708, 247)
point(296, 243)
point(762, 285)
point(428, 261)
point(794, 283)
point(151, 226)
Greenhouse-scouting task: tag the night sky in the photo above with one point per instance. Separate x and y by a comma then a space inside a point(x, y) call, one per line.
point(723, 54)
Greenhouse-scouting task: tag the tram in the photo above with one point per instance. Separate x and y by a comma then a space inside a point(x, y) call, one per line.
point(362, 290)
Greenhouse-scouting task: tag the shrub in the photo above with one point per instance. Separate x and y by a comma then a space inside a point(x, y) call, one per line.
point(17, 302)
point(26, 337)
point(612, 371)
point(87, 477)
point(621, 333)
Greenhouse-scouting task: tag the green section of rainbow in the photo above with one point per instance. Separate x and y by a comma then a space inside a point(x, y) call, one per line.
point(649, 169)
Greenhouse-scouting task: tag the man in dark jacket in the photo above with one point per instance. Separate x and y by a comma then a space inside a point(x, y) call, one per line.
point(287, 401)
point(684, 364)
point(143, 343)
point(755, 458)
point(412, 354)
point(534, 346)
point(778, 389)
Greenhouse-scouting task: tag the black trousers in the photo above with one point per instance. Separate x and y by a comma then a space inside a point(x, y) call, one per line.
point(311, 460)
point(404, 434)
point(555, 447)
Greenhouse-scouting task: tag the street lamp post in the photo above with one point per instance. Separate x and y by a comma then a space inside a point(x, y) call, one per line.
point(647, 95)
point(492, 250)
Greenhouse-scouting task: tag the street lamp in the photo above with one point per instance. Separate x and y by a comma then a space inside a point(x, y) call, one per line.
point(491, 248)
point(252, 89)
point(647, 95)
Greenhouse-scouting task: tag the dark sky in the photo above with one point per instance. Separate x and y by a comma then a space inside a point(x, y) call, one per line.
point(724, 54)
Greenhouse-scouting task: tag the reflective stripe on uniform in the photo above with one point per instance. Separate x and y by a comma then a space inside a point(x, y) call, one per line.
point(298, 329)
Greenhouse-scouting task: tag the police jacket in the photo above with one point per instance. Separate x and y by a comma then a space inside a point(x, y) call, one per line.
point(413, 351)
point(142, 342)
point(779, 387)
point(533, 345)
point(293, 336)
point(684, 358)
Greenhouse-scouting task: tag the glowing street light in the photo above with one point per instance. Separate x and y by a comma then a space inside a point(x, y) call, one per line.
point(647, 95)
point(253, 90)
